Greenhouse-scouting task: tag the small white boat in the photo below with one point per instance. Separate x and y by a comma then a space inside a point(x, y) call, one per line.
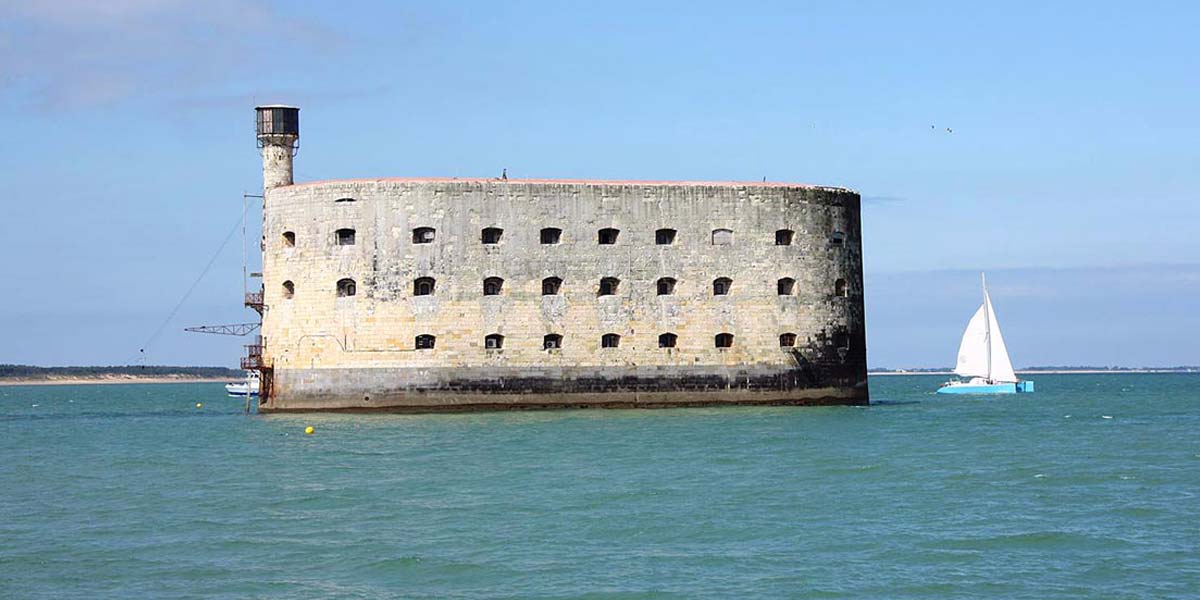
point(983, 357)
point(243, 388)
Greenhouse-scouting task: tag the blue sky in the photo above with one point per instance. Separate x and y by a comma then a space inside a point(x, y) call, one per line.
point(1069, 173)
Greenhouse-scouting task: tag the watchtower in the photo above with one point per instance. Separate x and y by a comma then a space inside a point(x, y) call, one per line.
point(278, 129)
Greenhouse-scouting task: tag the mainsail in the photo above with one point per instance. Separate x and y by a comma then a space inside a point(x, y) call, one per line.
point(982, 352)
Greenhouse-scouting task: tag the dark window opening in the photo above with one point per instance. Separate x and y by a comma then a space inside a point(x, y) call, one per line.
point(344, 200)
point(424, 235)
point(666, 286)
point(722, 237)
point(345, 237)
point(289, 239)
point(491, 235)
point(721, 286)
point(492, 286)
point(841, 339)
point(837, 238)
point(423, 286)
point(608, 236)
point(608, 286)
point(783, 237)
point(551, 235)
point(552, 341)
point(787, 340)
point(840, 288)
point(667, 340)
point(425, 342)
point(346, 287)
point(494, 341)
point(610, 340)
point(289, 289)
point(724, 340)
point(664, 237)
point(785, 286)
point(550, 286)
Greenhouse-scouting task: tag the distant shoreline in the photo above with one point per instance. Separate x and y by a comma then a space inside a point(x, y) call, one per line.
point(110, 380)
point(1046, 372)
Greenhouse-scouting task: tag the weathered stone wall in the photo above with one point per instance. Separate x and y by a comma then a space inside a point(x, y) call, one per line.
point(332, 352)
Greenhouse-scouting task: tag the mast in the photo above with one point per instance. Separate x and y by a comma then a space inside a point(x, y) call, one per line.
point(987, 324)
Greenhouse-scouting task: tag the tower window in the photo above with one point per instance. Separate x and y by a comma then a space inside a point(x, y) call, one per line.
point(424, 235)
point(609, 285)
point(491, 235)
point(425, 342)
point(783, 237)
point(666, 286)
point(551, 235)
point(722, 237)
point(494, 341)
point(610, 340)
point(721, 286)
point(492, 286)
point(345, 237)
point(841, 339)
point(724, 340)
point(289, 289)
point(837, 238)
point(787, 340)
point(344, 200)
point(423, 286)
point(346, 288)
point(840, 288)
point(289, 239)
point(785, 286)
point(551, 341)
point(608, 236)
point(664, 237)
point(667, 340)
point(550, 286)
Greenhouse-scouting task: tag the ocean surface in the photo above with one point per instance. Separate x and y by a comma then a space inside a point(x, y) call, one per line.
point(1088, 488)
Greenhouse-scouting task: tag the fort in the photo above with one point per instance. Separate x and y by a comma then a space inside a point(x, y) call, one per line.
point(443, 294)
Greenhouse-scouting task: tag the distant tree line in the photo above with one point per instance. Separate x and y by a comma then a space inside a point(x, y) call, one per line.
point(32, 372)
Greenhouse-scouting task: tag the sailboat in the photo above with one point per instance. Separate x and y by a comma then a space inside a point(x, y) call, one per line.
point(983, 357)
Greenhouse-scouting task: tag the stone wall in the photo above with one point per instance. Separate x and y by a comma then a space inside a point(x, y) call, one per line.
point(368, 339)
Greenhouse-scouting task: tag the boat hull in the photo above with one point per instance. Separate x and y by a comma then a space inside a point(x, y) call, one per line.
point(988, 388)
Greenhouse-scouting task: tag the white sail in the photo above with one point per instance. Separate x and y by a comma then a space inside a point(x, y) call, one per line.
point(973, 351)
point(1001, 369)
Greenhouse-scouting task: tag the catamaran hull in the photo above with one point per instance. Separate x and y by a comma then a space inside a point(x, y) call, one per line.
point(994, 388)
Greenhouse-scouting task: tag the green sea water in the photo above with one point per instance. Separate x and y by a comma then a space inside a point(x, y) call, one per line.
point(1089, 488)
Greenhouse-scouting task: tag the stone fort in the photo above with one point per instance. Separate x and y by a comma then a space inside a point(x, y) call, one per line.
point(440, 294)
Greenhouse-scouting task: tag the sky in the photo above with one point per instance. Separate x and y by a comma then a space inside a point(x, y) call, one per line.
point(1053, 145)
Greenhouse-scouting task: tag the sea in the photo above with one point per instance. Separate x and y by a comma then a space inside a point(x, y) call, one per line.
point(1087, 488)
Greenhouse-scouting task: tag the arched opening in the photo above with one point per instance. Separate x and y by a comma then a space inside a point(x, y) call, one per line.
point(608, 236)
point(664, 237)
point(491, 235)
point(787, 340)
point(492, 286)
point(724, 340)
point(344, 237)
point(289, 239)
point(551, 341)
point(610, 340)
point(608, 286)
point(289, 289)
point(494, 341)
point(551, 235)
point(721, 286)
point(667, 340)
point(785, 286)
point(550, 286)
point(346, 288)
point(837, 238)
point(425, 342)
point(840, 288)
point(423, 286)
point(424, 235)
point(783, 237)
point(722, 237)
point(666, 286)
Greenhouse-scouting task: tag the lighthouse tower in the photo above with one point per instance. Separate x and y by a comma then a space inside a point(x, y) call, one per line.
point(278, 128)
